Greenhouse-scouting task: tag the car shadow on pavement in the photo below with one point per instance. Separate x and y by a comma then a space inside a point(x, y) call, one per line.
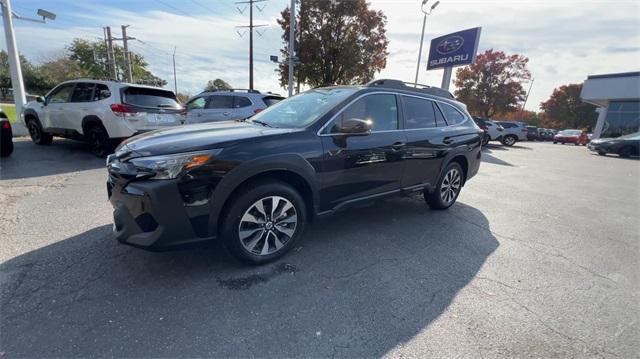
point(63, 156)
point(360, 284)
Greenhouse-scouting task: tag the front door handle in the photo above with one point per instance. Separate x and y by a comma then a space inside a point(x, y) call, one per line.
point(398, 146)
point(447, 140)
point(226, 113)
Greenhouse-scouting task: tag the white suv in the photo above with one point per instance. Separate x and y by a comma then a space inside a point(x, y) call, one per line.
point(225, 105)
point(100, 112)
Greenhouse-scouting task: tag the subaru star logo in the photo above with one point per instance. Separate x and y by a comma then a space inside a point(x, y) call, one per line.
point(450, 44)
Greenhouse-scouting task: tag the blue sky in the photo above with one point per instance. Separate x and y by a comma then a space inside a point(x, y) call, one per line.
point(565, 40)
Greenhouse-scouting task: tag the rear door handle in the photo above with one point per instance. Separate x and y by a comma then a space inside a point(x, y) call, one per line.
point(398, 146)
point(226, 113)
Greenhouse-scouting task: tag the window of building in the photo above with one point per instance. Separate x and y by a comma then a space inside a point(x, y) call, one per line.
point(623, 117)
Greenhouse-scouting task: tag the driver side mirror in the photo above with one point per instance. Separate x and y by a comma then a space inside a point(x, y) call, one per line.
point(42, 100)
point(356, 127)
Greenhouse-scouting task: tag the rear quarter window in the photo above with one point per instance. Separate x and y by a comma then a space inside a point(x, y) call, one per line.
point(451, 114)
point(271, 100)
point(148, 97)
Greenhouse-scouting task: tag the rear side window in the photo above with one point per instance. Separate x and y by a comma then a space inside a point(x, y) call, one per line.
point(102, 92)
point(83, 92)
point(149, 97)
point(418, 113)
point(452, 115)
point(271, 100)
point(382, 110)
point(217, 101)
point(508, 124)
point(242, 102)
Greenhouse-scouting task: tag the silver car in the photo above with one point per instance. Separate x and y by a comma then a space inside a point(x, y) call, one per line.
point(513, 132)
point(212, 106)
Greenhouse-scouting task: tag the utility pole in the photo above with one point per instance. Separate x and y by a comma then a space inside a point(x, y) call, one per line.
point(251, 27)
point(175, 79)
point(292, 38)
point(127, 55)
point(113, 69)
point(424, 24)
point(526, 99)
point(17, 81)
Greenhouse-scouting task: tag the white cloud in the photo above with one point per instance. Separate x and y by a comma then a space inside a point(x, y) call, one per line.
point(565, 40)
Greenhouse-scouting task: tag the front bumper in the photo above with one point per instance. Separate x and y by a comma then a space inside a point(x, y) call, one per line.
point(152, 215)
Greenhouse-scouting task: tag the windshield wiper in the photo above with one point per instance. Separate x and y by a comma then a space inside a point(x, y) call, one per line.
point(261, 123)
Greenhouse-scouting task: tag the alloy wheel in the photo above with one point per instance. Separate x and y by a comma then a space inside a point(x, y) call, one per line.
point(34, 131)
point(450, 186)
point(509, 141)
point(268, 225)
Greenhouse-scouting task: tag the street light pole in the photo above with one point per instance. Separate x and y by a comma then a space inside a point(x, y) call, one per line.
point(424, 24)
point(19, 95)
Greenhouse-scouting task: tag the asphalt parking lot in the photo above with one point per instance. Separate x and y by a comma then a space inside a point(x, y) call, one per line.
point(539, 258)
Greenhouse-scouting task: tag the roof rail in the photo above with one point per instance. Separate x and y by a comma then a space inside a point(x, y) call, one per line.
point(410, 86)
point(232, 90)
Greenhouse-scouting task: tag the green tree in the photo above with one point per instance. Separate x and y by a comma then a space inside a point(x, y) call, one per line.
point(34, 83)
point(565, 108)
point(217, 84)
point(91, 56)
point(493, 84)
point(338, 43)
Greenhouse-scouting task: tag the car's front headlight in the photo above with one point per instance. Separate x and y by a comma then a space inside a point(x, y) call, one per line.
point(171, 166)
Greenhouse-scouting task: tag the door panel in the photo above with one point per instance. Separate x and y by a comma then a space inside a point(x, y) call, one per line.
point(78, 107)
point(57, 102)
point(364, 165)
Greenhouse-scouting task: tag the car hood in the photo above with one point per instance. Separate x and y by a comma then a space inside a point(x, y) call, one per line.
point(195, 137)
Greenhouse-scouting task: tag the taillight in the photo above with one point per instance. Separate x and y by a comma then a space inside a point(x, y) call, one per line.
point(123, 110)
point(6, 124)
point(257, 110)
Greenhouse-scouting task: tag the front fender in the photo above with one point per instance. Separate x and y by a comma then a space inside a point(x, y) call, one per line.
point(291, 162)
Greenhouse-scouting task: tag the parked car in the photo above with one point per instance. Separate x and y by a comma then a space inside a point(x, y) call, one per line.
point(624, 146)
point(577, 137)
point(6, 136)
point(225, 105)
point(513, 132)
point(492, 130)
point(255, 184)
point(532, 133)
point(100, 112)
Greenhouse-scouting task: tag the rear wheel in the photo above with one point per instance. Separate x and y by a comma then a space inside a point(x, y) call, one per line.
point(99, 141)
point(509, 140)
point(38, 136)
point(263, 223)
point(448, 188)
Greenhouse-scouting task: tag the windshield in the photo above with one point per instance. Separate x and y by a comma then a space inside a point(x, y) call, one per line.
point(303, 109)
point(570, 132)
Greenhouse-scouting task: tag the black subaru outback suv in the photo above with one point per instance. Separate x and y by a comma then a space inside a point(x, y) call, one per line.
point(255, 184)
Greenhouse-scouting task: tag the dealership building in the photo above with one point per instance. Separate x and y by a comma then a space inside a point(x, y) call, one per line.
point(617, 97)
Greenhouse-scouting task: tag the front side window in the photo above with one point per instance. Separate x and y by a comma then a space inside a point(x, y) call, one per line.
point(196, 104)
point(83, 92)
point(451, 114)
point(61, 94)
point(381, 110)
point(418, 113)
point(220, 102)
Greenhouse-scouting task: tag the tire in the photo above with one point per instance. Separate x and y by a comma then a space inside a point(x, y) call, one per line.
point(38, 136)
point(249, 232)
point(509, 140)
point(6, 147)
point(625, 152)
point(601, 153)
point(577, 144)
point(446, 192)
point(554, 142)
point(485, 140)
point(99, 141)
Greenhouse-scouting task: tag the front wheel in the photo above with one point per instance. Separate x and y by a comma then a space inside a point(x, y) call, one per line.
point(38, 136)
point(448, 188)
point(263, 223)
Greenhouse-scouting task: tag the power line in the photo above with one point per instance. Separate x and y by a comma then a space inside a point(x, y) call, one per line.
point(251, 26)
